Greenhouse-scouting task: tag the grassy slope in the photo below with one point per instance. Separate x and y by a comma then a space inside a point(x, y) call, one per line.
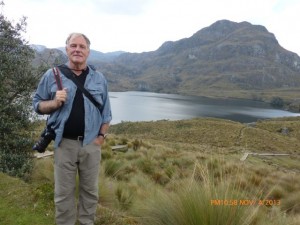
point(221, 143)
point(23, 204)
point(165, 159)
point(264, 136)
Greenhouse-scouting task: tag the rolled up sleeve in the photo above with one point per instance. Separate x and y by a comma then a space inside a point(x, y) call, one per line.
point(106, 110)
point(42, 92)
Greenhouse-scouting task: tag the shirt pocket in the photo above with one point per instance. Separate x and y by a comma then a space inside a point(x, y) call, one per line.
point(97, 91)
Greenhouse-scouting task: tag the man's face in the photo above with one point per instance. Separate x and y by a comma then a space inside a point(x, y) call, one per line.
point(77, 50)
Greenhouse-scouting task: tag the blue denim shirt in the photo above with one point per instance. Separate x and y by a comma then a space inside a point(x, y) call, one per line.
point(95, 83)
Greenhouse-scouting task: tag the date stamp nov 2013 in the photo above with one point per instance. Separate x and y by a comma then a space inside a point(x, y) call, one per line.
point(245, 202)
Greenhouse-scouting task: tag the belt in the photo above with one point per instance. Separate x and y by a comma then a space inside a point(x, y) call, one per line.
point(77, 138)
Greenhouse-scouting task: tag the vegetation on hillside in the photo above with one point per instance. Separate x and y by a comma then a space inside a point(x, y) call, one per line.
point(18, 79)
point(181, 172)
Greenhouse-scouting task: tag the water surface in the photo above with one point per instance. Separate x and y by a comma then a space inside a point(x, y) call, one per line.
point(145, 106)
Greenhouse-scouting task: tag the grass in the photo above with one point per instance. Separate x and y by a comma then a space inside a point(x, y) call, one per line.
point(179, 172)
point(23, 203)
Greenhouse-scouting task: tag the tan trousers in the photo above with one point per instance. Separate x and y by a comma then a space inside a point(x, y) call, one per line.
point(71, 158)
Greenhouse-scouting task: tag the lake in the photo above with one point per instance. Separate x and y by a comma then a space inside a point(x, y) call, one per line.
point(145, 106)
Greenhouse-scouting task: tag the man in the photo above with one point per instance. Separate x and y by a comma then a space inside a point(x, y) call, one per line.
point(80, 129)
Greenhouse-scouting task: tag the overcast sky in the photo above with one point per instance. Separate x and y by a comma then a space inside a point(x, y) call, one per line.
point(144, 25)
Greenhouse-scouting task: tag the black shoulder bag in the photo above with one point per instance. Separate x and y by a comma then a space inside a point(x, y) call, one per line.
point(67, 72)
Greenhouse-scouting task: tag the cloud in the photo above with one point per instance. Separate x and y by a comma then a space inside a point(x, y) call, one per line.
point(144, 25)
point(120, 7)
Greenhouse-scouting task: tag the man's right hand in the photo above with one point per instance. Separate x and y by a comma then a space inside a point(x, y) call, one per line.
point(61, 96)
point(49, 106)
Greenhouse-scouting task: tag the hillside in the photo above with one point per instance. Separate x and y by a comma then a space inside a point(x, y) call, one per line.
point(263, 136)
point(154, 181)
point(221, 59)
point(47, 57)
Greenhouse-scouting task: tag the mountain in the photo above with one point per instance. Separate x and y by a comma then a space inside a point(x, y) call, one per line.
point(48, 57)
point(225, 59)
point(54, 56)
point(95, 56)
point(38, 48)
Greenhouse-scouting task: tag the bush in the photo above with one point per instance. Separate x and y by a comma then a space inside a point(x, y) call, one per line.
point(18, 79)
point(277, 102)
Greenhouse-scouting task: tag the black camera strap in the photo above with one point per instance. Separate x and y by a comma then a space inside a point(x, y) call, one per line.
point(69, 74)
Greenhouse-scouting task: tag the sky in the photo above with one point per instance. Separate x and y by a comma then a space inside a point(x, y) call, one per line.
point(144, 25)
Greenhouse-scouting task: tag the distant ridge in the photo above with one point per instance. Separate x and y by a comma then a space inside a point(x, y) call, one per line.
point(225, 59)
point(96, 56)
point(38, 48)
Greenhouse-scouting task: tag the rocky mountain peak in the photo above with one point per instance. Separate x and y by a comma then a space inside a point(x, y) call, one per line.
point(225, 57)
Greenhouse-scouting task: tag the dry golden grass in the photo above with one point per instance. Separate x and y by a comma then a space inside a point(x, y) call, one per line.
point(265, 136)
point(166, 157)
point(220, 144)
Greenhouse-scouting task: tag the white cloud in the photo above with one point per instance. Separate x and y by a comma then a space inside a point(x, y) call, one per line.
point(120, 7)
point(143, 25)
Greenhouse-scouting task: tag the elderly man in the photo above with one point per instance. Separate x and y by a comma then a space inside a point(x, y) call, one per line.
point(80, 128)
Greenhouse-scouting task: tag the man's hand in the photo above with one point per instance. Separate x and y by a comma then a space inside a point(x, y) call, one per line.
point(99, 140)
point(49, 106)
point(61, 96)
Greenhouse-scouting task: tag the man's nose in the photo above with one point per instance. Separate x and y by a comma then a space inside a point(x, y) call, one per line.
point(77, 49)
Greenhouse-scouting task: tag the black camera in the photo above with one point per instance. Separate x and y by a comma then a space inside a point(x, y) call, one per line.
point(46, 137)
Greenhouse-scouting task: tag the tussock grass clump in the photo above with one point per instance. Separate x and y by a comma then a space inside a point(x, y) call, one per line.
point(160, 178)
point(106, 192)
point(146, 165)
point(106, 154)
point(291, 204)
point(205, 202)
point(125, 196)
point(112, 167)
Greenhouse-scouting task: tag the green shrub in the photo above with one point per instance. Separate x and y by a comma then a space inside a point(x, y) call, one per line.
point(277, 102)
point(18, 80)
point(15, 158)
